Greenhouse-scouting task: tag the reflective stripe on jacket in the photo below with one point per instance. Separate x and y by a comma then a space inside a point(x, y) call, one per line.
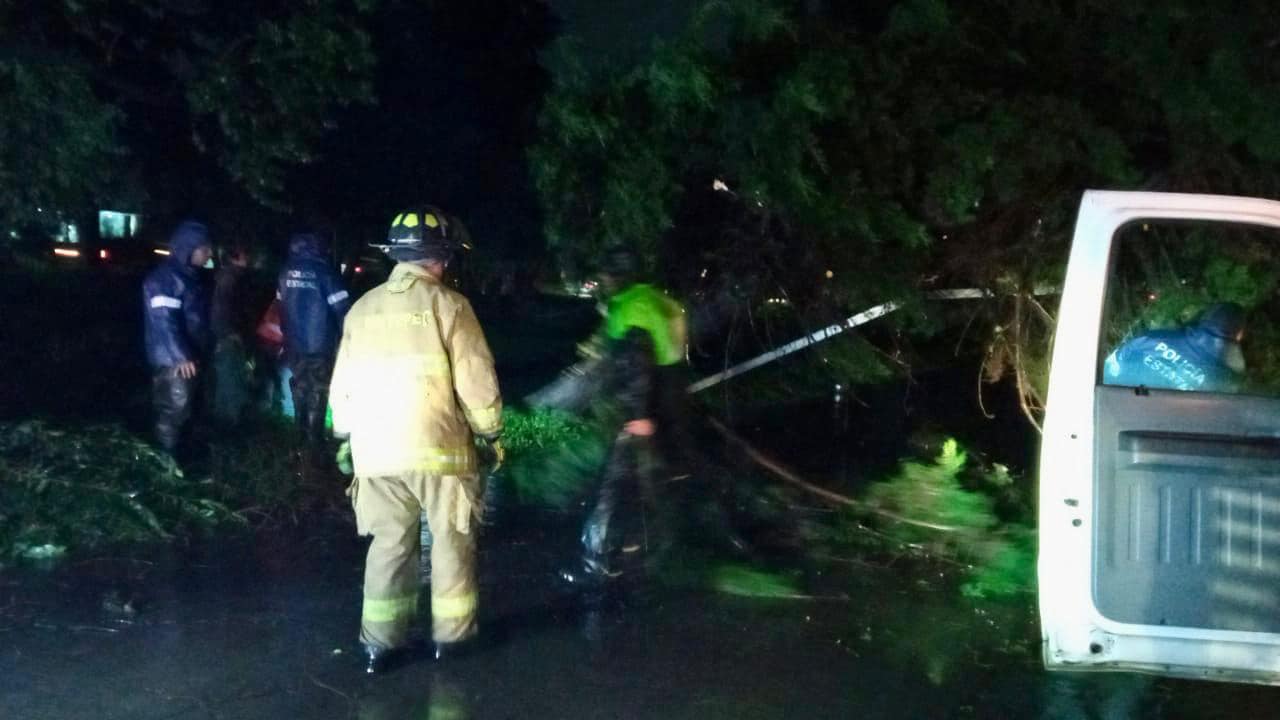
point(414, 379)
point(174, 303)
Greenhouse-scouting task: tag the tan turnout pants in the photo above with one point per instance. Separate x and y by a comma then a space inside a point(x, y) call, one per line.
point(389, 508)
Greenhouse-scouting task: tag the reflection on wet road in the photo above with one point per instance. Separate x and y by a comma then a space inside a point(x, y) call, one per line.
point(267, 630)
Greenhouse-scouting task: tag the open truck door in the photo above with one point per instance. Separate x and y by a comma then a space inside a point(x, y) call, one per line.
point(1159, 518)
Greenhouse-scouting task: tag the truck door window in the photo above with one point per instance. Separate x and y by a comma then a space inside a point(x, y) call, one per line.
point(1189, 307)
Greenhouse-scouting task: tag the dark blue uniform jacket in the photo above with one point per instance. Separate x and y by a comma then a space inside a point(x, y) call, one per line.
point(313, 300)
point(1190, 358)
point(175, 325)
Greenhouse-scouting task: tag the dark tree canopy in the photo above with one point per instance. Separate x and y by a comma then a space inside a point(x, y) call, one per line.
point(848, 153)
point(120, 100)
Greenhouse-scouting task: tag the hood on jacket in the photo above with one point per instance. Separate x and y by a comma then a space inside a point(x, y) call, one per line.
point(1223, 320)
point(1224, 351)
point(1215, 334)
point(308, 244)
point(188, 236)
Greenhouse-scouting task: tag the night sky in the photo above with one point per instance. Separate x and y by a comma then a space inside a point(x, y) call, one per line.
point(459, 138)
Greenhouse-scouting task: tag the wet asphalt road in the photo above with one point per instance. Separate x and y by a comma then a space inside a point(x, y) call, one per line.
point(266, 629)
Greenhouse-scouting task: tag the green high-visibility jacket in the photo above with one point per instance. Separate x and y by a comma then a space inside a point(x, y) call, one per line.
point(645, 307)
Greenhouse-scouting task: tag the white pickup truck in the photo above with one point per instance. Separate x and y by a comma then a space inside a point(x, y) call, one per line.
point(1159, 509)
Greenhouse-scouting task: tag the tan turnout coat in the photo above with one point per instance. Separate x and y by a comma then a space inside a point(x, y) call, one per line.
point(414, 379)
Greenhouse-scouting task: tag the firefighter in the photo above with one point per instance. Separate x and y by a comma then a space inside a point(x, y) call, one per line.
point(313, 302)
point(175, 329)
point(1204, 356)
point(413, 384)
point(646, 342)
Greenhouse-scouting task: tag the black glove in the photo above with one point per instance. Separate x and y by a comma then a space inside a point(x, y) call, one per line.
point(494, 454)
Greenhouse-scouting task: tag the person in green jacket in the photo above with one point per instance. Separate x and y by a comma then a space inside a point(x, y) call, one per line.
point(646, 334)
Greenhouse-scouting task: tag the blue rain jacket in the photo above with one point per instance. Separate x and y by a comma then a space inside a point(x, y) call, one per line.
point(313, 299)
point(1189, 358)
point(175, 324)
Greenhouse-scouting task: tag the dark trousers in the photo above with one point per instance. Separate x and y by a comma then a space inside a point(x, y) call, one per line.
point(310, 387)
point(171, 398)
point(230, 381)
point(624, 487)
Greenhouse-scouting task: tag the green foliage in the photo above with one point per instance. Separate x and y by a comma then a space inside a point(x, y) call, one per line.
point(57, 141)
point(76, 488)
point(917, 18)
point(1168, 273)
point(905, 146)
point(750, 582)
point(1009, 568)
point(930, 493)
point(539, 429)
point(947, 507)
point(265, 103)
point(552, 455)
point(259, 472)
point(844, 361)
point(90, 89)
point(73, 488)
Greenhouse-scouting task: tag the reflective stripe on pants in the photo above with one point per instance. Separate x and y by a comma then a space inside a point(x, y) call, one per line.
point(388, 508)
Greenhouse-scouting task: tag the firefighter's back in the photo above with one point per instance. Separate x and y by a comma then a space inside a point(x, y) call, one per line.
point(397, 379)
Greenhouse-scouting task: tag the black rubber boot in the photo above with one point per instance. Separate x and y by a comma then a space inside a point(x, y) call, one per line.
point(379, 659)
point(593, 578)
point(376, 659)
point(301, 410)
point(313, 427)
point(451, 651)
point(447, 651)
